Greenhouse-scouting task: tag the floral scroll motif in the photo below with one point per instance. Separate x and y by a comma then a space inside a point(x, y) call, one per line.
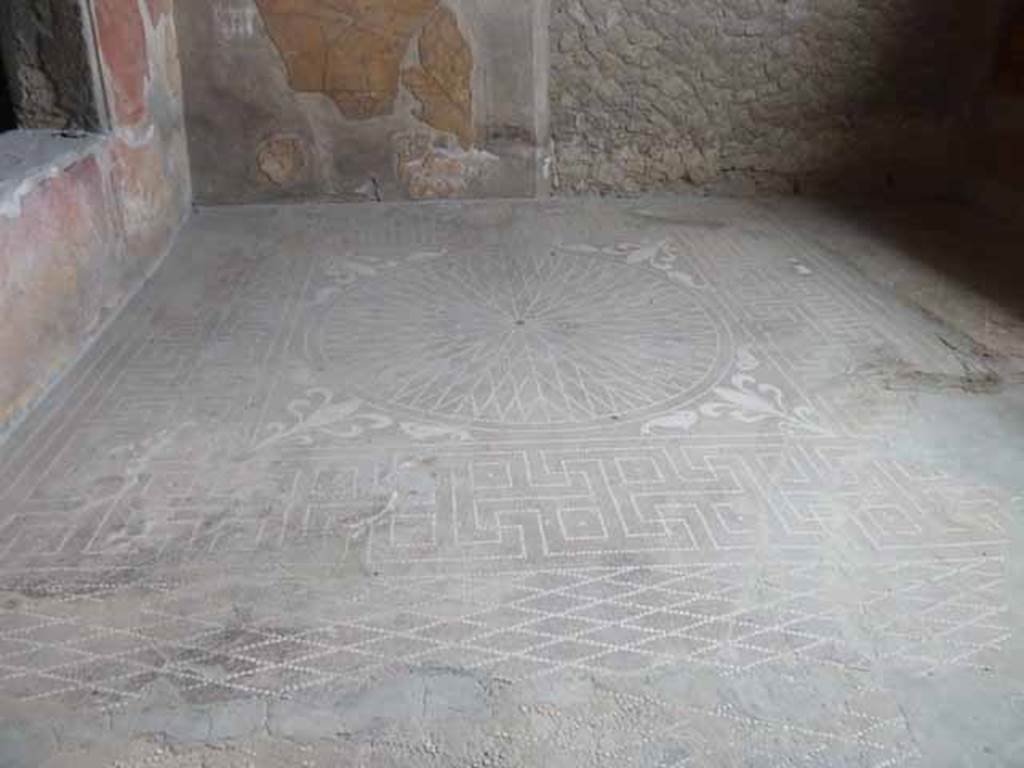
point(746, 400)
point(664, 256)
point(318, 413)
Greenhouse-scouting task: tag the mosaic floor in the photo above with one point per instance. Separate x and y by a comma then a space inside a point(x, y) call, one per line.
point(574, 483)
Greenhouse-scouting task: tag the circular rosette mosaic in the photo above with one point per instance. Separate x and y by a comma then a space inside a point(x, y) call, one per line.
point(500, 338)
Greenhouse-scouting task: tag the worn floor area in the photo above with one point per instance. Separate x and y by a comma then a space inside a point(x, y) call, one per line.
point(673, 482)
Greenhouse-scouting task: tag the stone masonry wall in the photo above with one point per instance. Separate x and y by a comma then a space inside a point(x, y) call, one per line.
point(46, 62)
point(80, 231)
point(756, 94)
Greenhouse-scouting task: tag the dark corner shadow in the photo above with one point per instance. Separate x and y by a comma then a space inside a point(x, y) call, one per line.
point(918, 202)
point(962, 244)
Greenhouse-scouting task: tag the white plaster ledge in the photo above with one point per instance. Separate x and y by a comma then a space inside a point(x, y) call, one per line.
point(27, 157)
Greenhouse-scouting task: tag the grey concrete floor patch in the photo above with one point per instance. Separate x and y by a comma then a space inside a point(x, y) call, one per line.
point(657, 483)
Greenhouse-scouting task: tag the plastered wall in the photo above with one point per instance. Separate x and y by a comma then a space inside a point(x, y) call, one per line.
point(83, 221)
point(357, 100)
